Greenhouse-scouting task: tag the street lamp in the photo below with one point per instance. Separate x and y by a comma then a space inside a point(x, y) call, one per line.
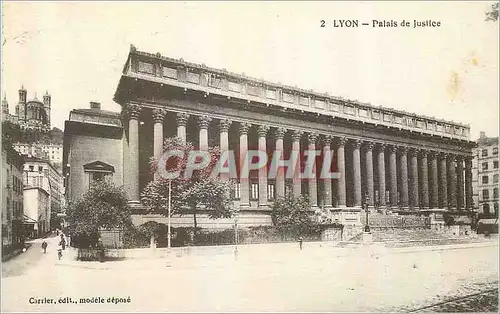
point(236, 214)
point(367, 199)
point(169, 235)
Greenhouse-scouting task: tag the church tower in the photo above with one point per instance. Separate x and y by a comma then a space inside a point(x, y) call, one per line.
point(21, 106)
point(5, 106)
point(46, 105)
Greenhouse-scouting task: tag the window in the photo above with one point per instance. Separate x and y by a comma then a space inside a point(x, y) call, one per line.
point(98, 171)
point(486, 208)
point(486, 194)
point(485, 179)
point(495, 178)
point(495, 150)
point(484, 153)
point(495, 193)
point(237, 188)
point(270, 191)
point(40, 168)
point(32, 168)
point(495, 206)
point(485, 165)
point(495, 164)
point(98, 176)
point(254, 191)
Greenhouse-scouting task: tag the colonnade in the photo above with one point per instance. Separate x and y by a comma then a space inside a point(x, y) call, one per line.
point(406, 177)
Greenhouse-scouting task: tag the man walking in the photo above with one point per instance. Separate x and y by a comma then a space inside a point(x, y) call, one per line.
point(300, 242)
point(44, 247)
point(63, 242)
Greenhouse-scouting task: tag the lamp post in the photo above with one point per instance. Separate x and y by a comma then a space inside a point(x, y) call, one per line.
point(236, 214)
point(169, 235)
point(367, 198)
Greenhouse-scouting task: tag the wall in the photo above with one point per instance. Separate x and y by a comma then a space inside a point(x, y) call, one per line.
point(244, 220)
point(12, 200)
point(31, 204)
point(87, 149)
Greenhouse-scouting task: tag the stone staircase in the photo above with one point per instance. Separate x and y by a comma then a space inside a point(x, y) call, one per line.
point(413, 237)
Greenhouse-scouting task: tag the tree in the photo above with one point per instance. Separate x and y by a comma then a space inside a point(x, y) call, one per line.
point(200, 192)
point(292, 211)
point(493, 14)
point(104, 206)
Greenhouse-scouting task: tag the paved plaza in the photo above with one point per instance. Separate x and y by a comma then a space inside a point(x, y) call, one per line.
point(265, 278)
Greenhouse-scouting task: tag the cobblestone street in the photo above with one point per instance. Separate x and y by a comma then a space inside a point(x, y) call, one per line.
point(277, 279)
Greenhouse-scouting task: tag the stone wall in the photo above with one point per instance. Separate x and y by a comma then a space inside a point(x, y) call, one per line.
point(87, 149)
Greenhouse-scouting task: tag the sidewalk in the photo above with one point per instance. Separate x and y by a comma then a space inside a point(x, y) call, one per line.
point(182, 258)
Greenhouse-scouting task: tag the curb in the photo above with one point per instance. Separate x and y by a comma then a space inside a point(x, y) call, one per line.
point(15, 253)
point(144, 263)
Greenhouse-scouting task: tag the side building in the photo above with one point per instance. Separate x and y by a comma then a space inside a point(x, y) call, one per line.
point(93, 149)
point(51, 151)
point(43, 193)
point(486, 173)
point(12, 198)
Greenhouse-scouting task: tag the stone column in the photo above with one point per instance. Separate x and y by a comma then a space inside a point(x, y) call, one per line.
point(424, 179)
point(262, 130)
point(181, 126)
point(224, 142)
point(460, 182)
point(133, 112)
point(452, 182)
point(403, 159)
point(381, 175)
point(356, 168)
point(369, 173)
point(244, 182)
point(158, 117)
point(341, 188)
point(434, 182)
point(297, 184)
point(280, 173)
point(468, 183)
point(327, 182)
point(313, 184)
point(393, 172)
point(443, 182)
point(203, 123)
point(415, 201)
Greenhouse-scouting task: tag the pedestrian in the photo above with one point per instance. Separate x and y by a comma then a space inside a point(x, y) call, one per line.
point(44, 247)
point(63, 243)
point(300, 242)
point(59, 251)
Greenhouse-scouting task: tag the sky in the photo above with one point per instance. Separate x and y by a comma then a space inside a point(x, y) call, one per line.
point(76, 51)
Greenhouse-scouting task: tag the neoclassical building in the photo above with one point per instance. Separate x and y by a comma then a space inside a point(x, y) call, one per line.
point(391, 159)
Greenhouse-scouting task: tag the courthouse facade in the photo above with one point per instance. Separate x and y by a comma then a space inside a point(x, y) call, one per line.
point(388, 158)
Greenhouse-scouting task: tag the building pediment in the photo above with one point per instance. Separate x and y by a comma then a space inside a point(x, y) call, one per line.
point(98, 166)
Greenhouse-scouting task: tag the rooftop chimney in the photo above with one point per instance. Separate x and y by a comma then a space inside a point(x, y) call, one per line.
point(95, 105)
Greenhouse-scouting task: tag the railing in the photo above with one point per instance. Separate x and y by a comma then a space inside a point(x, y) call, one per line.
point(96, 254)
point(384, 221)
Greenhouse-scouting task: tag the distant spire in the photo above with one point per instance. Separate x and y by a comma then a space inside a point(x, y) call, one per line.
point(46, 92)
point(35, 97)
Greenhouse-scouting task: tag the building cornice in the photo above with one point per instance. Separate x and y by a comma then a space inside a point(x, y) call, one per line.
point(188, 75)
